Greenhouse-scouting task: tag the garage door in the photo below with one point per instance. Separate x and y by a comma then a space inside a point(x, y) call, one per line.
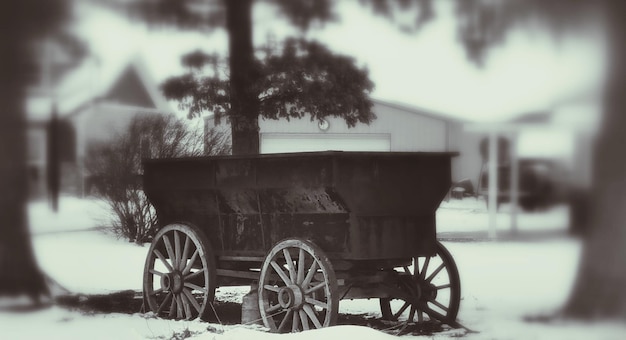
point(279, 142)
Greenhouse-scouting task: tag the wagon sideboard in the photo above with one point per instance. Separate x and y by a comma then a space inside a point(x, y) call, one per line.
point(355, 206)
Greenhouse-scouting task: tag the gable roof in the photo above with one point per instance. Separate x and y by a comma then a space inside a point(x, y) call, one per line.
point(128, 83)
point(129, 90)
point(419, 111)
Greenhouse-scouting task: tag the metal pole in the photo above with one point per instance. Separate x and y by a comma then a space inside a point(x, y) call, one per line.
point(493, 182)
point(514, 182)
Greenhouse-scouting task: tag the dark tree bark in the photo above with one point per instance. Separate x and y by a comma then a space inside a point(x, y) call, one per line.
point(600, 289)
point(19, 273)
point(22, 22)
point(244, 116)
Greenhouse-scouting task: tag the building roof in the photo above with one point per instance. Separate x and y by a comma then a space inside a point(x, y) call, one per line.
point(127, 82)
point(539, 117)
point(419, 111)
point(404, 107)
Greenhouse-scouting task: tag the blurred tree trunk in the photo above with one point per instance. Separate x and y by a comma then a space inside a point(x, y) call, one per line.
point(22, 22)
point(19, 273)
point(244, 117)
point(600, 289)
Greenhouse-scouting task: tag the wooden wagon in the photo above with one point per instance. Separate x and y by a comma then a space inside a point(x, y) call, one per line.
point(310, 228)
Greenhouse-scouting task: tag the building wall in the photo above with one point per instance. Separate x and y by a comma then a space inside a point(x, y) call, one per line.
point(103, 122)
point(408, 131)
point(466, 143)
point(100, 123)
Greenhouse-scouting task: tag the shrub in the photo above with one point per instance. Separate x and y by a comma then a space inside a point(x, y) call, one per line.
point(115, 167)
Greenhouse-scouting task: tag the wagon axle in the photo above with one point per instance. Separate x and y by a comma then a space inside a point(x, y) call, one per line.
point(420, 291)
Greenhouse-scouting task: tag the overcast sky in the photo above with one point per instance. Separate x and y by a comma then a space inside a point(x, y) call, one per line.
point(428, 69)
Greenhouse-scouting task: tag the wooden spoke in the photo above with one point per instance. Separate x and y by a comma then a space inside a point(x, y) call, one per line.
point(165, 301)
point(195, 287)
point(433, 274)
point(420, 316)
point(192, 300)
point(317, 303)
point(194, 274)
point(170, 251)
point(411, 313)
point(281, 273)
point(172, 307)
point(283, 323)
point(311, 313)
point(183, 303)
point(435, 315)
point(402, 309)
point(183, 257)
point(314, 288)
point(424, 268)
point(162, 258)
point(438, 304)
point(294, 322)
point(156, 272)
point(310, 274)
point(443, 286)
point(271, 288)
point(301, 264)
point(177, 250)
point(191, 262)
point(290, 265)
point(303, 320)
point(186, 305)
point(179, 307)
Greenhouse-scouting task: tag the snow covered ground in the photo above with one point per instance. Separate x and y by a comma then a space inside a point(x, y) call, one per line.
point(504, 282)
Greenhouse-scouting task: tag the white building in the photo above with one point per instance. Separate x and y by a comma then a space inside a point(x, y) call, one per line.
point(397, 128)
point(95, 102)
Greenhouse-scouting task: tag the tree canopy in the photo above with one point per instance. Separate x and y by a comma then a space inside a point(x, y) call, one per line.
point(483, 24)
point(300, 78)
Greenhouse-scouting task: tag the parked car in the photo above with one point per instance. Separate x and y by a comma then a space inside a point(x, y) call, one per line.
point(537, 184)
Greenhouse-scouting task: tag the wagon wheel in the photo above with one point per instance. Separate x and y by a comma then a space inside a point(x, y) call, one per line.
point(179, 275)
point(297, 288)
point(433, 288)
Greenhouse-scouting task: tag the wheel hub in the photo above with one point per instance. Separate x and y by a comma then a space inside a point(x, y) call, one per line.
point(429, 291)
point(290, 296)
point(173, 282)
point(412, 289)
